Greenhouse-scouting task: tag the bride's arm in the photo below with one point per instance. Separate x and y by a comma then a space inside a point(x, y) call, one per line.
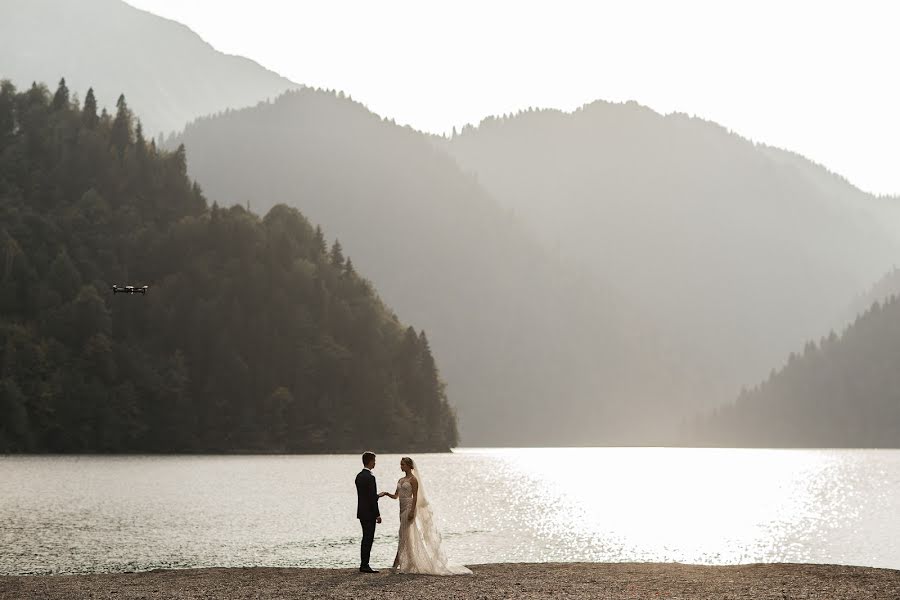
point(389, 495)
point(415, 491)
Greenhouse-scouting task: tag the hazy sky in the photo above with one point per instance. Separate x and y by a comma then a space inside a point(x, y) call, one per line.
point(820, 77)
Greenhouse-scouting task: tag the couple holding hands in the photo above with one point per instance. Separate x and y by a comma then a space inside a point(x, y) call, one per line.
point(419, 548)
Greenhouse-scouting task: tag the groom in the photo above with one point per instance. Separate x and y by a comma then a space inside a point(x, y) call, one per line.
point(367, 509)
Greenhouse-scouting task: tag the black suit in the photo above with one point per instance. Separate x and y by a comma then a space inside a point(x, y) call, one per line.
point(366, 512)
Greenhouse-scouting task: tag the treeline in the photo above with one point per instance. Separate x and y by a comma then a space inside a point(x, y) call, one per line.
point(254, 336)
point(842, 392)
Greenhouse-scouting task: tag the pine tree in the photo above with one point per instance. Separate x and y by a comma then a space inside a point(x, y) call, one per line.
point(337, 254)
point(321, 246)
point(61, 98)
point(179, 160)
point(140, 144)
point(89, 110)
point(120, 136)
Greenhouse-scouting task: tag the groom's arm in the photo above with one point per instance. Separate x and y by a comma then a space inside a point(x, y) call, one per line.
point(375, 496)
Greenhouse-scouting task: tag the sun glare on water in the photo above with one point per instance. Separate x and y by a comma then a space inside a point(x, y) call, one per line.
point(690, 505)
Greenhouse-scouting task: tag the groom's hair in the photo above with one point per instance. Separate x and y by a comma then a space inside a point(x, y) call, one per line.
point(368, 457)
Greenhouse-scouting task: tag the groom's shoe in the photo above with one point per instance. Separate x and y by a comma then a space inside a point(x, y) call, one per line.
point(367, 569)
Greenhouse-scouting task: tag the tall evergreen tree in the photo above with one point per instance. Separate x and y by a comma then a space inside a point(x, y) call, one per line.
point(337, 254)
point(140, 144)
point(89, 110)
point(121, 134)
point(61, 97)
point(321, 246)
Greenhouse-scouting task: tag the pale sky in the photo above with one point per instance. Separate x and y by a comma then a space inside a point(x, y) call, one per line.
point(821, 78)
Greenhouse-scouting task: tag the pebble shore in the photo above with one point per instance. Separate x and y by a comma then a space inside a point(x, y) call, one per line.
point(619, 581)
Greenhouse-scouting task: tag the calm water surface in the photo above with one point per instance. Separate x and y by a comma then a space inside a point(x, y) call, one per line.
point(98, 513)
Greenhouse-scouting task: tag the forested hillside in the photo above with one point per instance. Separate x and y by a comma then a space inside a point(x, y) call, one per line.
point(254, 336)
point(887, 286)
point(841, 392)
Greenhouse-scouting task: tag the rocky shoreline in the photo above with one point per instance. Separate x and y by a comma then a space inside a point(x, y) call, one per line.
point(619, 581)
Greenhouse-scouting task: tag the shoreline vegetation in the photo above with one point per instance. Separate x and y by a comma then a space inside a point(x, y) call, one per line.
point(502, 580)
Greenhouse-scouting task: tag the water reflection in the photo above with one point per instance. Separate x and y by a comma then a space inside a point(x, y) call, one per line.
point(76, 514)
point(706, 505)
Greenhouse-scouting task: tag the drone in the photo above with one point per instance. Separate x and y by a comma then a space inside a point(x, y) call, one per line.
point(130, 289)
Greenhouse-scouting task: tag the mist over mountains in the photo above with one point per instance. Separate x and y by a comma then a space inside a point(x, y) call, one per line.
point(532, 352)
point(168, 73)
point(738, 252)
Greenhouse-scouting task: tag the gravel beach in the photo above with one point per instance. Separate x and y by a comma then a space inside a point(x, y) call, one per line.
point(568, 580)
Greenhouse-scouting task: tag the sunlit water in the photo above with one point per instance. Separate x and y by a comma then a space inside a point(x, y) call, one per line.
point(97, 513)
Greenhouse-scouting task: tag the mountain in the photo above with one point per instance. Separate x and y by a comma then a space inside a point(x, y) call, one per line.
point(252, 337)
point(738, 251)
point(532, 352)
point(842, 392)
point(169, 75)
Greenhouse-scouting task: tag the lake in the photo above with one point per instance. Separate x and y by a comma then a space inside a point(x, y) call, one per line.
point(76, 514)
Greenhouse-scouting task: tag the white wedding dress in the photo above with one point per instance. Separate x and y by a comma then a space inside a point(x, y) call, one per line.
point(419, 550)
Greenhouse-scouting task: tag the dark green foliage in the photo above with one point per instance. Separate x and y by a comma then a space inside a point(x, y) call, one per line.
point(842, 392)
point(252, 338)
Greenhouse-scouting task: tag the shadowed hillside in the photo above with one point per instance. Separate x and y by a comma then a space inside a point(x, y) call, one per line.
point(252, 337)
point(841, 392)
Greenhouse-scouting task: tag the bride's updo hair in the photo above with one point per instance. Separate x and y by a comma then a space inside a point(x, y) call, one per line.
point(408, 461)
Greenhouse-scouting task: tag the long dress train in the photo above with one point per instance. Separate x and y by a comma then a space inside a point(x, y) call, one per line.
point(419, 549)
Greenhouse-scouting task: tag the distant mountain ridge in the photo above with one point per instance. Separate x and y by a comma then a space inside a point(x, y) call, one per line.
point(168, 73)
point(738, 251)
point(532, 353)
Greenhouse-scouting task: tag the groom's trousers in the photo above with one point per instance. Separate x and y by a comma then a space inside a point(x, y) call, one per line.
point(368, 529)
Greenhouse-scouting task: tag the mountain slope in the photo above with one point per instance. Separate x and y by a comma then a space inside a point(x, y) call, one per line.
point(738, 251)
point(532, 353)
point(888, 285)
point(252, 336)
point(842, 392)
point(169, 75)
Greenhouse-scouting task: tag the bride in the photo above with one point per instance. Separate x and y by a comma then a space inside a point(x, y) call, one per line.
point(419, 550)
